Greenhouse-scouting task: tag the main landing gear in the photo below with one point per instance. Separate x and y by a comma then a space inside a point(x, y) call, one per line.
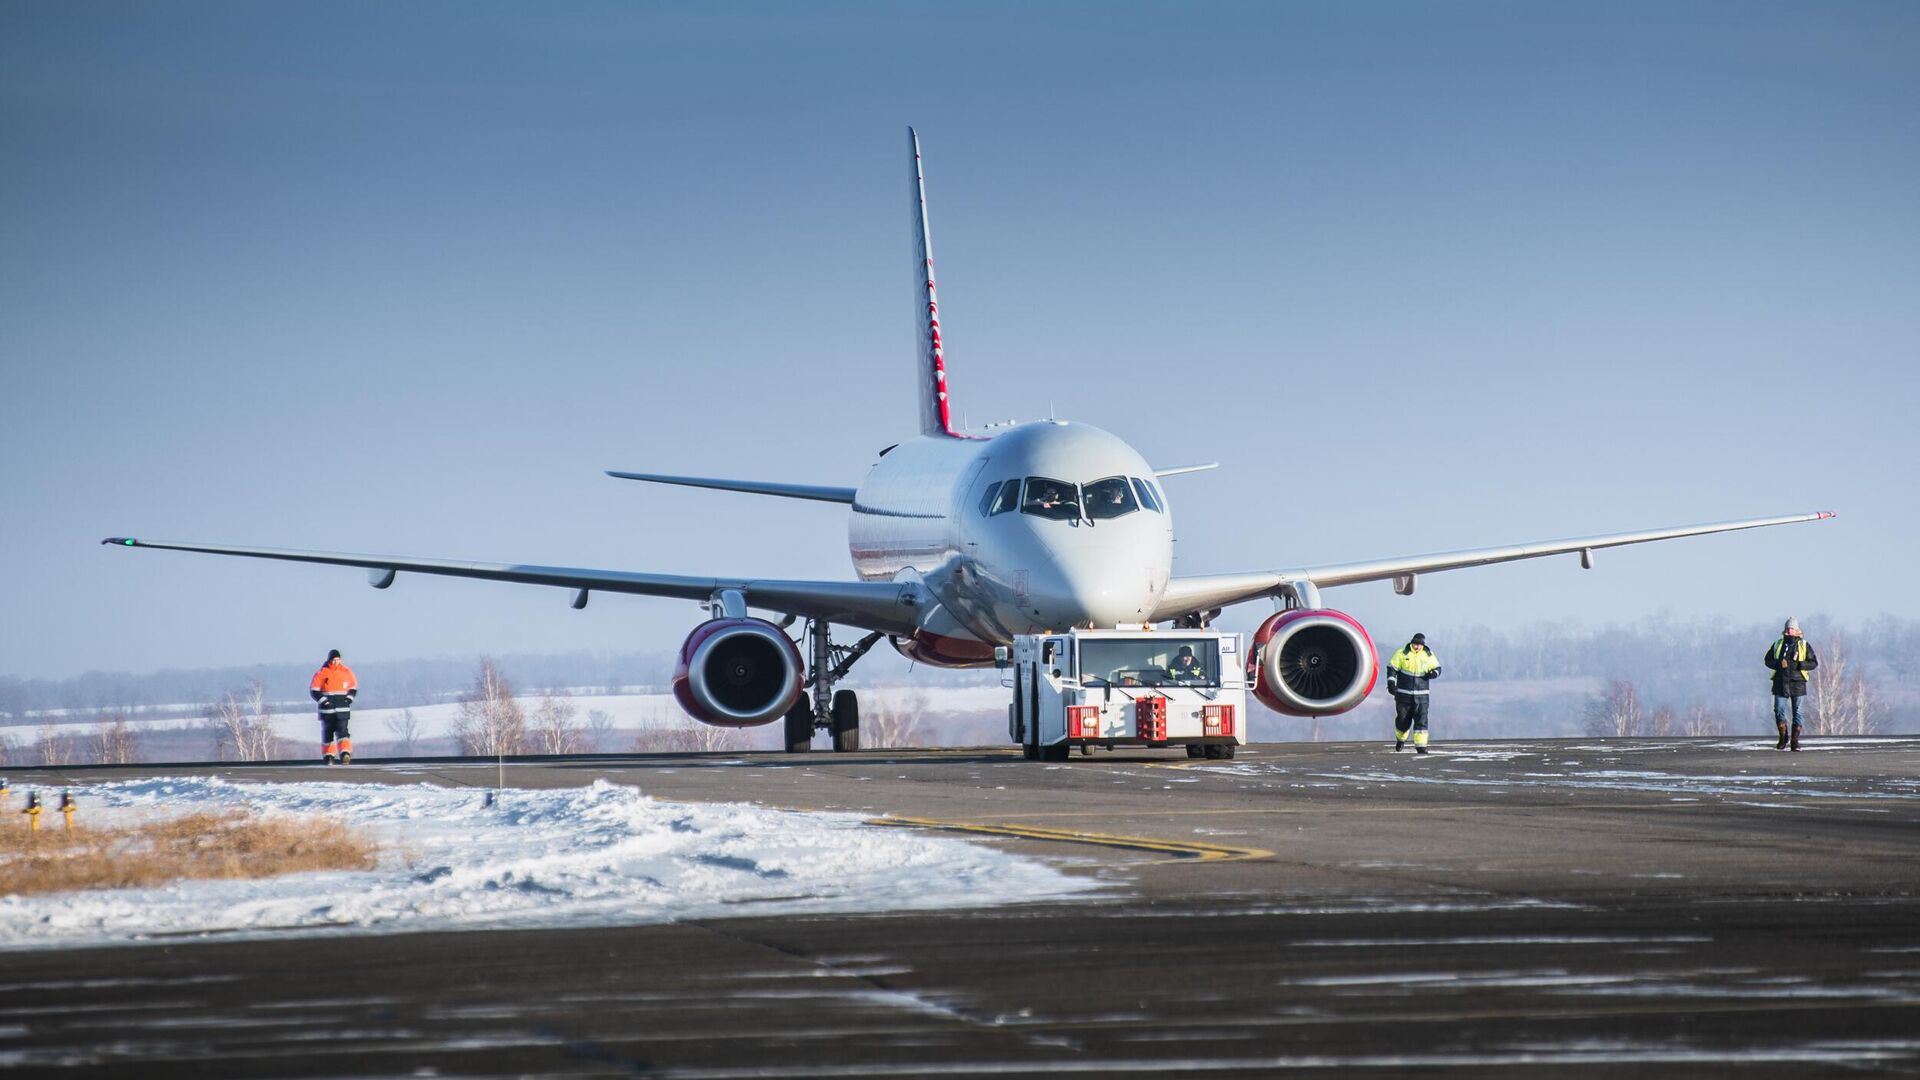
point(827, 709)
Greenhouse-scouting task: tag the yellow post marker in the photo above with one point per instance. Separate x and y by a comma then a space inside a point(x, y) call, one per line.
point(67, 807)
point(6, 793)
point(33, 811)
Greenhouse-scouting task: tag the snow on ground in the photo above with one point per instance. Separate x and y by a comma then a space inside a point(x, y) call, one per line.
point(596, 856)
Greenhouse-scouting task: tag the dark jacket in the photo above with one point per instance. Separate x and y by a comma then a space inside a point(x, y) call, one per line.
point(1791, 681)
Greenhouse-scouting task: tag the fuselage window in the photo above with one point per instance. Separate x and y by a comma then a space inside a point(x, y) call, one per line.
point(986, 501)
point(1009, 497)
point(1109, 498)
point(1053, 499)
point(1147, 497)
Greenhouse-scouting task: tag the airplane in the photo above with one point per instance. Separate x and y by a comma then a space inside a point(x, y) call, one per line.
point(963, 539)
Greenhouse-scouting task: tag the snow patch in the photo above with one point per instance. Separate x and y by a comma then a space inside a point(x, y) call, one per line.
point(595, 856)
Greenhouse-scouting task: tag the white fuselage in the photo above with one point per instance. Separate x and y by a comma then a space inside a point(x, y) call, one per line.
point(923, 514)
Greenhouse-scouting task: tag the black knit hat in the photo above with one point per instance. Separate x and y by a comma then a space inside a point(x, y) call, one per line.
point(1418, 639)
point(332, 655)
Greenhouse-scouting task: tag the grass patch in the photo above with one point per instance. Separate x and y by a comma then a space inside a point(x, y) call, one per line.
point(228, 844)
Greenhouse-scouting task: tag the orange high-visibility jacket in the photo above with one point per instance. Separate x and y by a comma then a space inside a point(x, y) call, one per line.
point(335, 678)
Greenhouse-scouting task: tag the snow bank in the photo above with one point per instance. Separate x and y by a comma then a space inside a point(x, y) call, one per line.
point(597, 856)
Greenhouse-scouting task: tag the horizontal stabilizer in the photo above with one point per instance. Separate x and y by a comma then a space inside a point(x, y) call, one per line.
point(816, 492)
point(1176, 470)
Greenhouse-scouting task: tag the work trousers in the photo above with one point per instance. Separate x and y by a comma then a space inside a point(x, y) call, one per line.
point(1781, 708)
point(333, 728)
point(1409, 713)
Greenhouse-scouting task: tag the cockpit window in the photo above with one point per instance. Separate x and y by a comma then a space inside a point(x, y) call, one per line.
point(1009, 497)
point(1053, 499)
point(1109, 498)
point(1147, 497)
point(986, 501)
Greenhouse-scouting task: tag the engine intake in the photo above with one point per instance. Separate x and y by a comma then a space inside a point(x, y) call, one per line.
point(1312, 662)
point(737, 673)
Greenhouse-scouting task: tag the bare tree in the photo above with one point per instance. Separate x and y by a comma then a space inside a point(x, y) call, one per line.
point(54, 748)
point(491, 722)
point(599, 730)
point(1663, 722)
point(663, 731)
point(1617, 712)
point(114, 744)
point(405, 730)
point(1701, 720)
point(554, 729)
point(895, 720)
point(243, 725)
point(1844, 701)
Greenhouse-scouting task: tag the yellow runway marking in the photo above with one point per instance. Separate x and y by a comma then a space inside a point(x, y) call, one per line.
point(1180, 849)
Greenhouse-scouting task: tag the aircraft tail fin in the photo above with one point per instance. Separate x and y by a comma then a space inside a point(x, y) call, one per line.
point(930, 367)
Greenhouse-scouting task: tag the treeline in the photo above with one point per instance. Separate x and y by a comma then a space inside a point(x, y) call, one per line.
point(386, 683)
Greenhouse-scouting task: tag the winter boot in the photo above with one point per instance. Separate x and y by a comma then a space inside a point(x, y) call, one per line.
point(1419, 749)
point(1399, 745)
point(329, 759)
point(1782, 744)
point(1794, 745)
point(346, 757)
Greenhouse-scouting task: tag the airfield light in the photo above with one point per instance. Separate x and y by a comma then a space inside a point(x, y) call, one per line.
point(33, 811)
point(67, 807)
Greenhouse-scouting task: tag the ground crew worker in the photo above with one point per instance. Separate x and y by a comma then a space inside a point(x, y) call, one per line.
point(1407, 675)
point(1789, 658)
point(333, 687)
point(1186, 665)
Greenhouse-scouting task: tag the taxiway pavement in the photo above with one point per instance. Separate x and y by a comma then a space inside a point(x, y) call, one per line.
point(1528, 908)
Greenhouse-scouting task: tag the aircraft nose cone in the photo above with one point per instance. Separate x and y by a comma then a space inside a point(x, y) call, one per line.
point(1098, 588)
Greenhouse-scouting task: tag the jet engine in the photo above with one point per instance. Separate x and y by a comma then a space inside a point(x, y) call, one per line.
point(737, 672)
point(1312, 662)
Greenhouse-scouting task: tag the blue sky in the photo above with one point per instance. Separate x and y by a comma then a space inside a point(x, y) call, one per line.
point(405, 278)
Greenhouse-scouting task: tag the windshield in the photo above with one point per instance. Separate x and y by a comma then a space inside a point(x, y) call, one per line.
point(1161, 661)
point(1110, 498)
point(1049, 498)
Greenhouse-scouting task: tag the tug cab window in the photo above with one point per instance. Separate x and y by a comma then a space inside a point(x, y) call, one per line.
point(1148, 497)
point(1109, 498)
point(1056, 500)
point(1163, 661)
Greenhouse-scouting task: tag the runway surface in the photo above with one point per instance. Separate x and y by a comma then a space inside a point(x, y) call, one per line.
point(1543, 908)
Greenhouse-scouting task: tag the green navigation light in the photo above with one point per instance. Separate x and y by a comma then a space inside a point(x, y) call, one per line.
point(128, 541)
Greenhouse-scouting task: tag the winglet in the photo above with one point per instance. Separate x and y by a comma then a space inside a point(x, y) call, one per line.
point(121, 541)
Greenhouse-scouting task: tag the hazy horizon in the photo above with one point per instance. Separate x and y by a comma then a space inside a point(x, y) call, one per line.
point(405, 279)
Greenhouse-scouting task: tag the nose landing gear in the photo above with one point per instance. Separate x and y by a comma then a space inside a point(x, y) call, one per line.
point(827, 709)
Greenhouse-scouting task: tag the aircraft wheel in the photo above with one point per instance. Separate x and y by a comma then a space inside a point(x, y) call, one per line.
point(1196, 750)
point(800, 726)
point(846, 721)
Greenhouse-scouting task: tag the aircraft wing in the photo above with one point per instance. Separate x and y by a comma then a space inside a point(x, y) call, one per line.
point(872, 605)
point(1187, 595)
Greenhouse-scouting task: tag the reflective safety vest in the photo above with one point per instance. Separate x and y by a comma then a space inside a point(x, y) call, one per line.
point(1408, 670)
point(1798, 656)
point(335, 678)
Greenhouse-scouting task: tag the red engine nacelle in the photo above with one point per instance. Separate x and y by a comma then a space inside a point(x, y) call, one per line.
point(737, 673)
point(1312, 662)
